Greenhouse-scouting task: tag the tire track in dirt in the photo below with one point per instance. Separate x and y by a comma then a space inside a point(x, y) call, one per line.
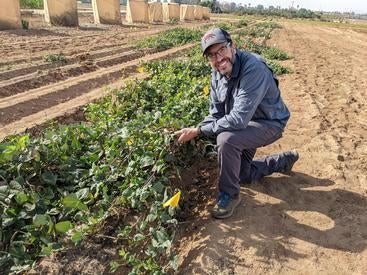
point(72, 35)
point(38, 48)
point(20, 111)
point(39, 79)
point(324, 79)
point(12, 64)
point(77, 48)
point(337, 88)
point(85, 55)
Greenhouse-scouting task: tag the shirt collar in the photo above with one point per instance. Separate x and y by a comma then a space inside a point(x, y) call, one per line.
point(236, 65)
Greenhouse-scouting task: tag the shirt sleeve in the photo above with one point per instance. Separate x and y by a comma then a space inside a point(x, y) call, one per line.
point(253, 85)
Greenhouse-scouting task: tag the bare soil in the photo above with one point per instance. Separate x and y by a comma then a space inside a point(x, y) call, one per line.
point(315, 221)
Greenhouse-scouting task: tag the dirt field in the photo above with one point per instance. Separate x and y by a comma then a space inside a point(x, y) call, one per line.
point(315, 221)
point(312, 222)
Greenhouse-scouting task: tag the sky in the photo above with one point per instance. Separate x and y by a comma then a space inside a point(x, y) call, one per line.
point(359, 6)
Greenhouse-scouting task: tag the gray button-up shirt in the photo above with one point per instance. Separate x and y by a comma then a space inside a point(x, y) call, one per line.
point(251, 93)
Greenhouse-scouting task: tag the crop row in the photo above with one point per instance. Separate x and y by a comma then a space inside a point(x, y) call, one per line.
point(55, 188)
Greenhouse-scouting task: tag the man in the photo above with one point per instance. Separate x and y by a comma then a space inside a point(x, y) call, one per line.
point(246, 112)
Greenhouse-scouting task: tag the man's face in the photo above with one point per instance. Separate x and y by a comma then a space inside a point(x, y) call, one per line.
point(221, 57)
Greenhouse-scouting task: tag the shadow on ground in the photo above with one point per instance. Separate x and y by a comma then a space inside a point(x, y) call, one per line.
point(274, 215)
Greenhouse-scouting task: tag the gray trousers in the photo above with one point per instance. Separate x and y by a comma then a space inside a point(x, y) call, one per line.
point(236, 150)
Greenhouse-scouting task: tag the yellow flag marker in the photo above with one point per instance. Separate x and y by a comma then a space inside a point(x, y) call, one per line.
point(173, 201)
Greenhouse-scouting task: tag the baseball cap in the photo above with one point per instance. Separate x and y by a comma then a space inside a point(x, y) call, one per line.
point(214, 36)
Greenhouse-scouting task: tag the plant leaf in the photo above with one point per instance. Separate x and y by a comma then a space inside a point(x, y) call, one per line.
point(73, 202)
point(147, 161)
point(77, 237)
point(63, 227)
point(21, 198)
point(40, 220)
point(49, 177)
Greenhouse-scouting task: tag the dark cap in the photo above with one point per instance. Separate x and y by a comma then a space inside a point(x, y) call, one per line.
point(214, 36)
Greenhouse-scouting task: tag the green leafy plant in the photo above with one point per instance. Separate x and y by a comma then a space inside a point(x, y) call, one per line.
point(274, 53)
point(25, 24)
point(246, 39)
point(269, 25)
point(126, 153)
point(57, 187)
point(60, 57)
point(261, 49)
point(262, 29)
point(31, 4)
point(170, 38)
point(173, 21)
point(277, 68)
point(241, 23)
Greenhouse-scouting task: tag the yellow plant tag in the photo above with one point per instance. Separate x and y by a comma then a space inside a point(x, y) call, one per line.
point(173, 201)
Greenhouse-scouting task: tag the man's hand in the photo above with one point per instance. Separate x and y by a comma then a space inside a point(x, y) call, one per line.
point(187, 134)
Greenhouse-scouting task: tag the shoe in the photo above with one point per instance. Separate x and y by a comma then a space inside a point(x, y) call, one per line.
point(289, 159)
point(225, 205)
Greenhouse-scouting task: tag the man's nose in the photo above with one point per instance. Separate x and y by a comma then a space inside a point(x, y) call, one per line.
point(219, 57)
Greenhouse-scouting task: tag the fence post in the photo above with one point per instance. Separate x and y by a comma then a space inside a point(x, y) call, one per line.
point(106, 12)
point(137, 11)
point(10, 14)
point(61, 12)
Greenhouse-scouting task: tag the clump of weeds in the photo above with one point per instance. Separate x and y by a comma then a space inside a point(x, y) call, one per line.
point(60, 57)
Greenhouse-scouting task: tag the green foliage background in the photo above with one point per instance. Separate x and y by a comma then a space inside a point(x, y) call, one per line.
point(31, 4)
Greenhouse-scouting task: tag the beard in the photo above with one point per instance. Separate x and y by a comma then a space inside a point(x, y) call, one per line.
point(225, 66)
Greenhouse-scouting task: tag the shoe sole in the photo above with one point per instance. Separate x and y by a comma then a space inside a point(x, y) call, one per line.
point(230, 213)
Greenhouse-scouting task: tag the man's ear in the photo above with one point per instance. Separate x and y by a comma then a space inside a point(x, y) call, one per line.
point(233, 48)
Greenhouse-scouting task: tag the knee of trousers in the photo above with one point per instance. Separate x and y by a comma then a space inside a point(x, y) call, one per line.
point(226, 141)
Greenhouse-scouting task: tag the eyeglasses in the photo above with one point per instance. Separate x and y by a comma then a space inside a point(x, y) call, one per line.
point(221, 52)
